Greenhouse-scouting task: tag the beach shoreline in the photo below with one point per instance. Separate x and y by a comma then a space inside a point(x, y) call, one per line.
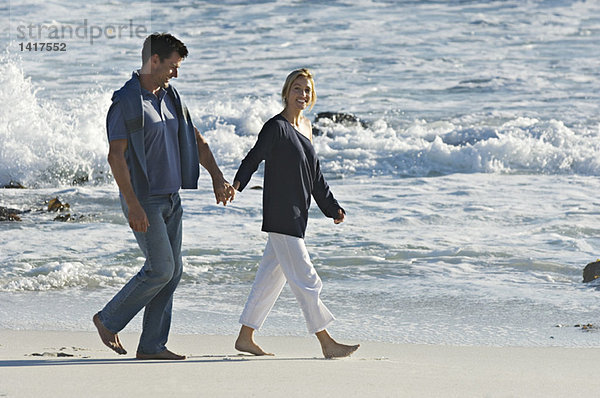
point(69, 364)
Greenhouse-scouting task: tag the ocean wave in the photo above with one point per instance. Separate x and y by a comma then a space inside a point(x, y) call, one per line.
point(54, 143)
point(54, 276)
point(517, 145)
point(47, 143)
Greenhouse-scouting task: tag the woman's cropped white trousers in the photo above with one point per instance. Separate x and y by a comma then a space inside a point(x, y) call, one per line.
point(286, 258)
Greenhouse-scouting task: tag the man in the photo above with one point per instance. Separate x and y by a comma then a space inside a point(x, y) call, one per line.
point(154, 151)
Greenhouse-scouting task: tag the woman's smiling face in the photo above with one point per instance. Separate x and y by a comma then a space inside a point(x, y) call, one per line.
point(300, 93)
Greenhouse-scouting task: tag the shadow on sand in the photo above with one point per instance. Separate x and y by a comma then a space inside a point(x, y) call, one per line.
point(15, 363)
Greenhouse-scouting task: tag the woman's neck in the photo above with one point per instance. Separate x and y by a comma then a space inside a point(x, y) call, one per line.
point(292, 116)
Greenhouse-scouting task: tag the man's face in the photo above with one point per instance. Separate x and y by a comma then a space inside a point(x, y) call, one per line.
point(165, 70)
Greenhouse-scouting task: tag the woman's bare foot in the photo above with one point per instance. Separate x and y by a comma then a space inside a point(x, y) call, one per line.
point(245, 342)
point(110, 339)
point(333, 349)
point(250, 347)
point(338, 350)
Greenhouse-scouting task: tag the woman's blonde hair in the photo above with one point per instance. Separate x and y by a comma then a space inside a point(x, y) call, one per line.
point(288, 85)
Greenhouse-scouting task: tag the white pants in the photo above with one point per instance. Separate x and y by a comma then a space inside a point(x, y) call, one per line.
point(286, 258)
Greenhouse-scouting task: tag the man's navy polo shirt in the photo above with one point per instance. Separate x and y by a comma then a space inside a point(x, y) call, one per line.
point(160, 140)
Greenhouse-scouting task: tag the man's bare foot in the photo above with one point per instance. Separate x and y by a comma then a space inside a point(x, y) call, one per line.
point(337, 350)
point(164, 355)
point(250, 347)
point(110, 339)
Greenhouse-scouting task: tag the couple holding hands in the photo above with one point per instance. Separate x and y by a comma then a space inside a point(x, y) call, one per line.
point(155, 150)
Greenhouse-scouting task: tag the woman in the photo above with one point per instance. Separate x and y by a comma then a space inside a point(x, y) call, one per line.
point(292, 175)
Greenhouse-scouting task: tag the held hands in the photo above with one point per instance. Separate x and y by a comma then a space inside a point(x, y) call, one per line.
point(340, 218)
point(223, 191)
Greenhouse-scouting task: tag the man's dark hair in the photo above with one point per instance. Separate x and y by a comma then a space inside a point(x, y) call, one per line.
point(162, 44)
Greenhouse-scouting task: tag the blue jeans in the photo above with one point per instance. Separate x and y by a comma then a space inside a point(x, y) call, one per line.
point(155, 283)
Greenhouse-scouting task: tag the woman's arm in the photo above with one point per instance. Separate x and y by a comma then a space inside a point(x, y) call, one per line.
point(265, 142)
point(324, 198)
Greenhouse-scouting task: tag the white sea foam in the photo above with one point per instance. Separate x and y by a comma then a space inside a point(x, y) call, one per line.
point(48, 142)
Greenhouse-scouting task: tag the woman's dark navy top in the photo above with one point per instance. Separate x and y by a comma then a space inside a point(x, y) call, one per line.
point(292, 176)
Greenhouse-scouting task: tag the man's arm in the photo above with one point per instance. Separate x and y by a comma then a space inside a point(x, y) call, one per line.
point(138, 221)
point(223, 191)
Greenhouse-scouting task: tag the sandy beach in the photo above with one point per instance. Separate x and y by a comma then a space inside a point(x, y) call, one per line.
point(461, 137)
point(76, 364)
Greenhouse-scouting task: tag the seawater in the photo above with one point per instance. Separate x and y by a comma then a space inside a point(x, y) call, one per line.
point(471, 187)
